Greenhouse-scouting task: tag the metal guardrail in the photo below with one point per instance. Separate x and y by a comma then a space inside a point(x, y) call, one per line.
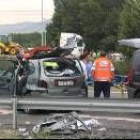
point(91, 104)
point(115, 105)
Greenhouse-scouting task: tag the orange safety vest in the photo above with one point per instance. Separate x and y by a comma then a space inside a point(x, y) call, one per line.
point(102, 71)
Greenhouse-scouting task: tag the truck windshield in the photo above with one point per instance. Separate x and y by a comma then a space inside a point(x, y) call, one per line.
point(79, 42)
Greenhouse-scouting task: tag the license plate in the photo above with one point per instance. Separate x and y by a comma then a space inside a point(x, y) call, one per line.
point(66, 83)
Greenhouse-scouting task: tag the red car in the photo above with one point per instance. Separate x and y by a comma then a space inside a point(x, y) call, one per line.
point(37, 52)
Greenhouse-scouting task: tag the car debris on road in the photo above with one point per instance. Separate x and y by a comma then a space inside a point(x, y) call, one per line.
point(69, 124)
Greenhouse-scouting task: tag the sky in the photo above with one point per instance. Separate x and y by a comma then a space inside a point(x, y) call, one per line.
point(17, 11)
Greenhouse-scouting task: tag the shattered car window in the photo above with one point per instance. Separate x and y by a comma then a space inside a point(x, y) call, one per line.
point(6, 68)
point(61, 67)
point(79, 42)
point(31, 68)
point(77, 63)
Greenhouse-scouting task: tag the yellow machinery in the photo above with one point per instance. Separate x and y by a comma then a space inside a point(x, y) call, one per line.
point(7, 46)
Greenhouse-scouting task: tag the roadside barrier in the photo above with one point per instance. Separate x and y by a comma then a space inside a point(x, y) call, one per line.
point(77, 104)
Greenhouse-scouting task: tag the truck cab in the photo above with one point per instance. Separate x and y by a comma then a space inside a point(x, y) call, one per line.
point(73, 41)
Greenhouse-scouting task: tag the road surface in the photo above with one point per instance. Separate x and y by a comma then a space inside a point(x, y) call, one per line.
point(112, 125)
point(115, 93)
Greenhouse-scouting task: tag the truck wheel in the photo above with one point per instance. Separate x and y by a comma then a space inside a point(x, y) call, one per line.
point(12, 51)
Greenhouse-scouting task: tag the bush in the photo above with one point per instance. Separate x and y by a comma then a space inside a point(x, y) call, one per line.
point(122, 67)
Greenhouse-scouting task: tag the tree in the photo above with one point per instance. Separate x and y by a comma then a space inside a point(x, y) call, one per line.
point(130, 20)
point(129, 24)
point(28, 39)
point(96, 20)
point(65, 19)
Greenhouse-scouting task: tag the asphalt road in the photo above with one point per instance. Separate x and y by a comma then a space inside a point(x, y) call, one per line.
point(112, 125)
point(115, 93)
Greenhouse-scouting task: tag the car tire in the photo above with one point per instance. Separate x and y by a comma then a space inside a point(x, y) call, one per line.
point(29, 111)
point(137, 95)
point(84, 92)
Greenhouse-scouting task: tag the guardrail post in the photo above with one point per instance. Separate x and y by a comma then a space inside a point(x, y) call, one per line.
point(14, 113)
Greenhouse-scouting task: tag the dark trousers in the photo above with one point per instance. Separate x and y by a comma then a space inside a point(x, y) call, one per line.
point(101, 87)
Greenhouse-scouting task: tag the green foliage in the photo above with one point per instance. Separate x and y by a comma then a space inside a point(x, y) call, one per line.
point(126, 51)
point(28, 39)
point(130, 19)
point(122, 67)
point(101, 23)
point(108, 43)
point(95, 20)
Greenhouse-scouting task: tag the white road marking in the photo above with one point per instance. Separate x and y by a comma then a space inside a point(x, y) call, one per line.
point(5, 111)
point(111, 118)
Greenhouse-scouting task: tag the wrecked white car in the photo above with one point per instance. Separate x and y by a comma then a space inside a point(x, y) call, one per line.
point(56, 76)
point(45, 75)
point(56, 73)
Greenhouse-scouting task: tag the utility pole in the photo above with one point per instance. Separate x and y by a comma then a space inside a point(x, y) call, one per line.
point(45, 35)
point(42, 37)
point(45, 22)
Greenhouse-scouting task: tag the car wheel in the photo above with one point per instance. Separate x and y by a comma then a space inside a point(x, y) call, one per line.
point(137, 95)
point(28, 111)
point(84, 92)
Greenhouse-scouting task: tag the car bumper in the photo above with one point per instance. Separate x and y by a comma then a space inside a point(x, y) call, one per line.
point(66, 92)
point(61, 92)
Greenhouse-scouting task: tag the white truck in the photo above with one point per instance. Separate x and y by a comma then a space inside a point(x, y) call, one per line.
point(72, 40)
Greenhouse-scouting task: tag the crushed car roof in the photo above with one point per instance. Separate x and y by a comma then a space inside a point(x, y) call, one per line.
point(45, 52)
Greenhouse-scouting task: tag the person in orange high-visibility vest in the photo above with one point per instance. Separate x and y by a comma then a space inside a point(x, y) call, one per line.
point(103, 74)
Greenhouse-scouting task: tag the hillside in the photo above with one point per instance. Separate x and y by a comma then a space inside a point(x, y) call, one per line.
point(25, 27)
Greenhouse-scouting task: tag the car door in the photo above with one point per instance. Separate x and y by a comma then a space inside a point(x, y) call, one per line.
point(34, 74)
point(7, 77)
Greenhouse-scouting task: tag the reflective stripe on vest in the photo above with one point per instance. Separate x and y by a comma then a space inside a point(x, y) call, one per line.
point(103, 69)
point(102, 79)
